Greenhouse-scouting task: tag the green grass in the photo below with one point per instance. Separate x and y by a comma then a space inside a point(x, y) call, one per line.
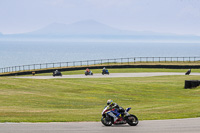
point(59, 100)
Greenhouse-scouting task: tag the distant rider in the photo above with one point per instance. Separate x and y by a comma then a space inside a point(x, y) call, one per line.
point(114, 110)
point(104, 69)
point(87, 70)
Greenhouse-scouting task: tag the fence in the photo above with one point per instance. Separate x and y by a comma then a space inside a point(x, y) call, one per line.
point(98, 62)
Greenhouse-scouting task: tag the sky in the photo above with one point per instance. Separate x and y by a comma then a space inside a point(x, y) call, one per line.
point(165, 16)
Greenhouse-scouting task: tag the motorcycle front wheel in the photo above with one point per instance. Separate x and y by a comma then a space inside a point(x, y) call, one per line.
point(132, 120)
point(106, 121)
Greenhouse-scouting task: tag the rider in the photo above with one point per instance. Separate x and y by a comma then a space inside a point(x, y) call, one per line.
point(87, 70)
point(104, 69)
point(114, 110)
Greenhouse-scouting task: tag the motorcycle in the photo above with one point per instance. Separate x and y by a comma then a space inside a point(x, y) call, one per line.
point(57, 73)
point(107, 120)
point(105, 72)
point(88, 73)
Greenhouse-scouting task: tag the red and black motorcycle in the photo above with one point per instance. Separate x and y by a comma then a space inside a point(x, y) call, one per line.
point(107, 120)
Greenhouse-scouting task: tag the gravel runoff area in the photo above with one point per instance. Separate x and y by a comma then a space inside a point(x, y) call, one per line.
point(190, 125)
point(112, 75)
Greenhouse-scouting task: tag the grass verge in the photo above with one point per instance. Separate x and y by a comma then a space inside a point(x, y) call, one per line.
point(61, 100)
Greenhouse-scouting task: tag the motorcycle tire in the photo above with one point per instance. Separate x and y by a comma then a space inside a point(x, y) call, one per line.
point(106, 121)
point(132, 120)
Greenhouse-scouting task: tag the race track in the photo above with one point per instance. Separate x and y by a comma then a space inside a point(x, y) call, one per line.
point(112, 75)
point(190, 125)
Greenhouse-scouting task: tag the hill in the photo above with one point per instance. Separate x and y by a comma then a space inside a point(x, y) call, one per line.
point(90, 29)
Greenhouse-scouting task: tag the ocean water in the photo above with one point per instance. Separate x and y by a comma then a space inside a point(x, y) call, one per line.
point(24, 53)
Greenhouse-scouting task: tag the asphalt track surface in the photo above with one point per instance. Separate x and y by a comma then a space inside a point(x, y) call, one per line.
point(112, 75)
point(190, 125)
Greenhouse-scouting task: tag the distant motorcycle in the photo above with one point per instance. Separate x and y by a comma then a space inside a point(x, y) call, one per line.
point(88, 73)
point(57, 73)
point(107, 120)
point(105, 72)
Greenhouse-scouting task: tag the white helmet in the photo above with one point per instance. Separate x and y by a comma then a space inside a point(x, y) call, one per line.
point(109, 102)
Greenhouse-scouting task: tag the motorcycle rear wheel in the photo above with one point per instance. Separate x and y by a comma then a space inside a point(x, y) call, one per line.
point(132, 120)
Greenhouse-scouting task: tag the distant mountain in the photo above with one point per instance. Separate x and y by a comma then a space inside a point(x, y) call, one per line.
point(88, 27)
point(93, 30)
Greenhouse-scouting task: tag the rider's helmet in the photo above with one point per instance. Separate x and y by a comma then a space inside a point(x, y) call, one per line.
point(109, 102)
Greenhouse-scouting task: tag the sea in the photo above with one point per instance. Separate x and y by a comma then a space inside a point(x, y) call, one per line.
point(15, 53)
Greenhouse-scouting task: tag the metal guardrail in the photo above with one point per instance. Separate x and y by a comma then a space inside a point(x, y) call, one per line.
point(131, 60)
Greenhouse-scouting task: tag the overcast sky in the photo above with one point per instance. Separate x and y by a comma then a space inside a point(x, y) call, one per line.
point(170, 16)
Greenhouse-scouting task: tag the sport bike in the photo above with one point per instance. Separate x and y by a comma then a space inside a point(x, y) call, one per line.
point(107, 120)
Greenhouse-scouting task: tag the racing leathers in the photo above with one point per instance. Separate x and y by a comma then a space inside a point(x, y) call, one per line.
point(114, 111)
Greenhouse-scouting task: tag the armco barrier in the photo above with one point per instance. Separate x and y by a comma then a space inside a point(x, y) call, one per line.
point(115, 63)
